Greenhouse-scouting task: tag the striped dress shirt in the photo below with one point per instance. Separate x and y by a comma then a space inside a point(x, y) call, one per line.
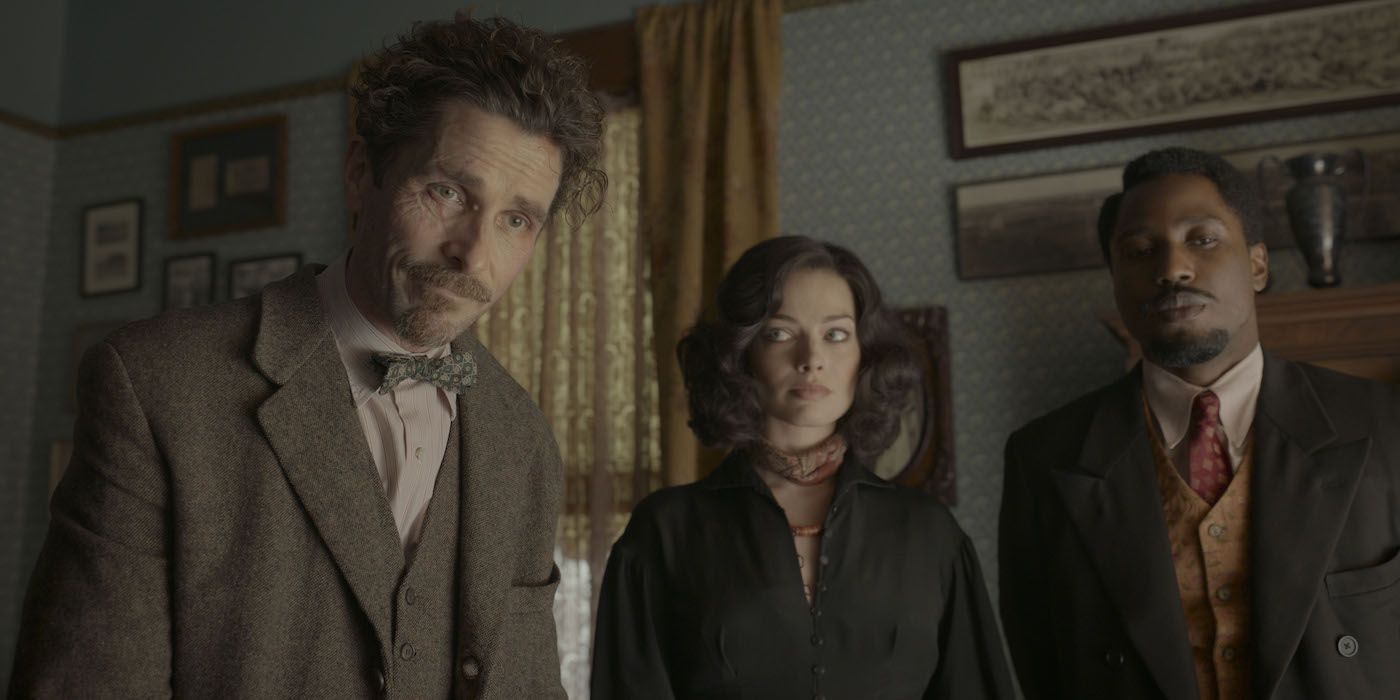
point(406, 429)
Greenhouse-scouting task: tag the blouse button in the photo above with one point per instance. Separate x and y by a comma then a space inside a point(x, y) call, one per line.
point(825, 560)
point(817, 640)
point(818, 670)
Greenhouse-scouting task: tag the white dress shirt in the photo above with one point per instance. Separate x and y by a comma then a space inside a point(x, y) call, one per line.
point(1170, 398)
point(406, 428)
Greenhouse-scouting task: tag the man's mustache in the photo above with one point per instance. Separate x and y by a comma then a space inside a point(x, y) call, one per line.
point(459, 283)
point(1176, 297)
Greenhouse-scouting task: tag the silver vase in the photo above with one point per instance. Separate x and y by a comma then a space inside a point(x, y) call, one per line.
point(1317, 207)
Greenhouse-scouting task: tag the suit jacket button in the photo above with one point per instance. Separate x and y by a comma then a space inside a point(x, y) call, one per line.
point(1113, 657)
point(1348, 646)
point(379, 680)
point(471, 668)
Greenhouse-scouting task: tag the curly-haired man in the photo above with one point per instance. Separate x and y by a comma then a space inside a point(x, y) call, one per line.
point(329, 489)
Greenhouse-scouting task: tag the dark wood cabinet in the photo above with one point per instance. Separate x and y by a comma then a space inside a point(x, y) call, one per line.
point(1350, 329)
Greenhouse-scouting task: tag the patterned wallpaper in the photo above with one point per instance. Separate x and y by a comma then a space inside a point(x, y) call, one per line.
point(26, 181)
point(864, 163)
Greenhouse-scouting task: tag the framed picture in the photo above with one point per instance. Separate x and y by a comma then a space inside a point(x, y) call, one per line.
point(230, 177)
point(1049, 223)
point(1190, 71)
point(246, 277)
point(111, 255)
point(922, 453)
point(189, 280)
point(84, 337)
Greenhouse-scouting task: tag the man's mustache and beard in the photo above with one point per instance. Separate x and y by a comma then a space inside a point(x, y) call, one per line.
point(430, 322)
point(1184, 348)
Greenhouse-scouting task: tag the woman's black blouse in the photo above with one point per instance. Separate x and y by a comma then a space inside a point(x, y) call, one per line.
point(703, 598)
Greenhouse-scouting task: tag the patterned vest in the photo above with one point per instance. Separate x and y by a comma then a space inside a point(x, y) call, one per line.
point(425, 602)
point(1210, 548)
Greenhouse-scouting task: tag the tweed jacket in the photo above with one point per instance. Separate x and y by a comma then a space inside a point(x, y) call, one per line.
point(1089, 596)
point(221, 530)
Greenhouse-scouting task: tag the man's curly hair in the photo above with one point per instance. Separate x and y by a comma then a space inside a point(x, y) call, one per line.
point(500, 67)
point(724, 407)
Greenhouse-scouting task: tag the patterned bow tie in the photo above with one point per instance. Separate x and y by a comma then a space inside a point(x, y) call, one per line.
point(453, 373)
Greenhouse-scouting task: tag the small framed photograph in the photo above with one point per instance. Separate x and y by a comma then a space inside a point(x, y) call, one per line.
point(189, 280)
point(246, 277)
point(84, 337)
point(111, 248)
point(230, 177)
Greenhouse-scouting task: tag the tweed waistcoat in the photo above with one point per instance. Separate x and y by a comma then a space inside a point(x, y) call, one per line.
point(1210, 550)
point(425, 601)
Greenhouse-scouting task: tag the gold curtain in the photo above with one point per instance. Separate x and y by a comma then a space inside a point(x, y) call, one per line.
point(711, 76)
point(575, 329)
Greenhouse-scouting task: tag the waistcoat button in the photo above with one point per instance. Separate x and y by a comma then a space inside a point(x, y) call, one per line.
point(470, 668)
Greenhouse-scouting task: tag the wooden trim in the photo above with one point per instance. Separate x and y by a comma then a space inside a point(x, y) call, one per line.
point(28, 125)
point(611, 51)
point(194, 109)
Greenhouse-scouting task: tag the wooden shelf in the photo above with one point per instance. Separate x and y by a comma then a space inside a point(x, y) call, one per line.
point(1349, 329)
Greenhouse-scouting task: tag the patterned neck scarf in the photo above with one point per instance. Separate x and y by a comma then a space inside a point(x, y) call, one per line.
point(808, 467)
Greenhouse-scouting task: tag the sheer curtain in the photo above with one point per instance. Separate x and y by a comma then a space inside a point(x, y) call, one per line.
point(576, 331)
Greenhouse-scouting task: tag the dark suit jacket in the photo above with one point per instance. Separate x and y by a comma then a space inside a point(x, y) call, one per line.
point(221, 530)
point(1089, 597)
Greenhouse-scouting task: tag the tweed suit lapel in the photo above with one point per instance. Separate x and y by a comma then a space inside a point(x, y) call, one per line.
point(490, 488)
point(1304, 481)
point(1112, 498)
point(310, 422)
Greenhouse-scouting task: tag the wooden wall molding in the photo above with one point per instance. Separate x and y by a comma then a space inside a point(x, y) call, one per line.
point(611, 50)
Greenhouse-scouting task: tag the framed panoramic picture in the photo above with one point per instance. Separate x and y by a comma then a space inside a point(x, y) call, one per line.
point(1048, 223)
point(111, 250)
point(189, 280)
point(246, 277)
point(1191, 71)
point(229, 177)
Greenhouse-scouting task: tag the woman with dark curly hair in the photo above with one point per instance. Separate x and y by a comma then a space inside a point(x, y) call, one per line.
point(792, 570)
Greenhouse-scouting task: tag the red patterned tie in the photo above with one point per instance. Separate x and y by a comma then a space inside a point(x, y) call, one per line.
point(1210, 460)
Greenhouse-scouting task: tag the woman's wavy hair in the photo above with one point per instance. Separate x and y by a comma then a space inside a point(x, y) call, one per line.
point(500, 67)
point(723, 397)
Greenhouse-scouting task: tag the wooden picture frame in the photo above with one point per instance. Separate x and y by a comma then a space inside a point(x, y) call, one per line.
point(230, 177)
point(249, 275)
point(189, 280)
point(922, 455)
point(1190, 71)
point(1048, 223)
point(111, 248)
